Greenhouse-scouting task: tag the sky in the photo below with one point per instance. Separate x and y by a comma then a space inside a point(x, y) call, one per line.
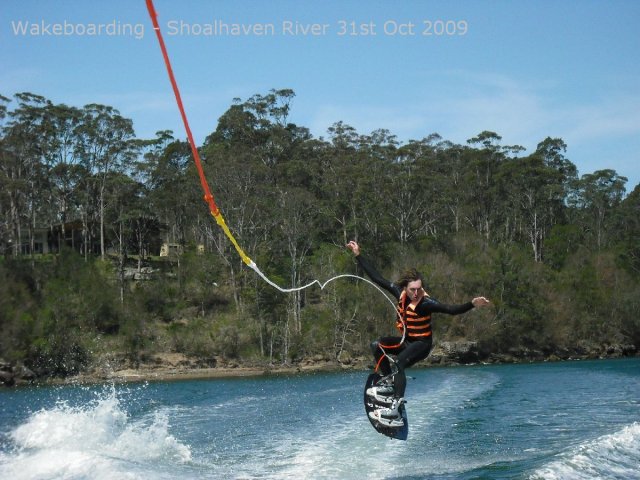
point(525, 69)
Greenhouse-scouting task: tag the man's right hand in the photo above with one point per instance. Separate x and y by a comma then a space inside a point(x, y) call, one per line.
point(354, 247)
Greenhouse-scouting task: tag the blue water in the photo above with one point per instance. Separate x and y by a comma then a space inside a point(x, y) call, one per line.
point(573, 420)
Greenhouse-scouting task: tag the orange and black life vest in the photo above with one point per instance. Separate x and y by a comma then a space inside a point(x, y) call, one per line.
point(418, 328)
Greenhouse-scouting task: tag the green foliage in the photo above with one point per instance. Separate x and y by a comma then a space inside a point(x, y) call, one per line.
point(627, 220)
point(521, 310)
point(17, 304)
point(193, 338)
point(558, 255)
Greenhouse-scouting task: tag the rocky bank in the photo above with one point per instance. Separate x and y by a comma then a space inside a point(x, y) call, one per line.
point(175, 366)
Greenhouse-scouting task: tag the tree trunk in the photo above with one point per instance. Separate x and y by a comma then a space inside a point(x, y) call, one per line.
point(102, 252)
point(121, 262)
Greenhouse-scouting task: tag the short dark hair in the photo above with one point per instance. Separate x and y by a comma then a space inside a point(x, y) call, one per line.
point(410, 275)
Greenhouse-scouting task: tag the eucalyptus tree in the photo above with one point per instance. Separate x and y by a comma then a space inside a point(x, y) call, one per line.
point(252, 156)
point(144, 224)
point(534, 192)
point(22, 174)
point(336, 184)
point(172, 189)
point(270, 131)
point(64, 169)
point(408, 198)
point(295, 233)
point(564, 175)
point(121, 193)
point(374, 198)
point(4, 220)
point(238, 177)
point(524, 183)
point(628, 231)
point(429, 185)
point(482, 163)
point(106, 144)
point(597, 196)
point(3, 107)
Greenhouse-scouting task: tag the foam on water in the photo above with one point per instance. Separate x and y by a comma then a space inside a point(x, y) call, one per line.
point(614, 456)
point(356, 451)
point(97, 440)
point(498, 422)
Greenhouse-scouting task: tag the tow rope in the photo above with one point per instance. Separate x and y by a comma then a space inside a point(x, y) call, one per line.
point(208, 196)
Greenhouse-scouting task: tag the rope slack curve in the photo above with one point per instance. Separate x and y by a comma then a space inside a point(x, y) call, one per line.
point(208, 196)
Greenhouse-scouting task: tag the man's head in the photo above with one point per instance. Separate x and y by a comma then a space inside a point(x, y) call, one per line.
point(412, 283)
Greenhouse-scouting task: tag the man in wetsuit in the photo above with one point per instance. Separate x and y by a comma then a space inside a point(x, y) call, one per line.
point(415, 307)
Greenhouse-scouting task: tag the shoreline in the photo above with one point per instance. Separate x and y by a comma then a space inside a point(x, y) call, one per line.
point(142, 375)
point(176, 367)
point(171, 374)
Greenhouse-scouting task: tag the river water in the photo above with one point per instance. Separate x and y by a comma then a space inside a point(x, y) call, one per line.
point(570, 420)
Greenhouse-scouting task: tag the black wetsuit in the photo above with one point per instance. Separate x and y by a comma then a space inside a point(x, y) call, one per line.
point(410, 351)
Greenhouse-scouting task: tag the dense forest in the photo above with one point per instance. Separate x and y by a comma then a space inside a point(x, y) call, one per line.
point(86, 207)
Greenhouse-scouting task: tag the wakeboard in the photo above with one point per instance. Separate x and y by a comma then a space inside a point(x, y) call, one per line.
point(371, 405)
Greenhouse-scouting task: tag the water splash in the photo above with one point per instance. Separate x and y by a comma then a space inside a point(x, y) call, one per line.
point(95, 440)
point(614, 456)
